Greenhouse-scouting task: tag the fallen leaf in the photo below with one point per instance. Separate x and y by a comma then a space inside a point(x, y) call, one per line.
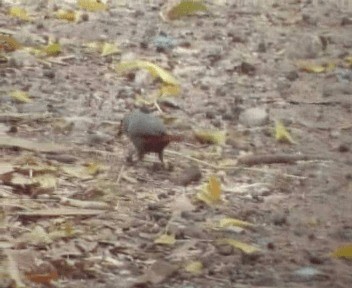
point(20, 96)
point(52, 49)
point(8, 43)
point(185, 7)
point(59, 212)
point(211, 193)
point(281, 133)
point(248, 249)
point(19, 13)
point(6, 168)
point(210, 136)
point(91, 5)
point(344, 251)
point(8, 141)
point(194, 267)
point(68, 15)
point(169, 90)
point(227, 222)
point(42, 278)
point(109, 49)
point(36, 236)
point(165, 239)
point(155, 70)
point(77, 171)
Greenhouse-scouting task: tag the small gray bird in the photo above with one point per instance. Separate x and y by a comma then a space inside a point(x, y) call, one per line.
point(147, 133)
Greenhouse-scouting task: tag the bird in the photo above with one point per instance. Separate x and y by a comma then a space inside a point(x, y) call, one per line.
point(147, 133)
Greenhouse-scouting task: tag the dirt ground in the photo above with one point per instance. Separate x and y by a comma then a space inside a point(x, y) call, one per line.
point(237, 56)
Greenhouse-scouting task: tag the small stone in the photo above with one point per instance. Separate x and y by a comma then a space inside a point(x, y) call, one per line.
point(247, 68)
point(346, 21)
point(292, 75)
point(189, 175)
point(279, 219)
point(49, 73)
point(225, 249)
point(254, 117)
point(262, 47)
point(343, 148)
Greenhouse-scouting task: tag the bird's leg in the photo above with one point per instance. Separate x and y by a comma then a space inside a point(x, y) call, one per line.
point(161, 156)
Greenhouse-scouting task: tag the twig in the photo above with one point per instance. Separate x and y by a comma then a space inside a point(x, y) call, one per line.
point(192, 158)
point(120, 174)
point(276, 158)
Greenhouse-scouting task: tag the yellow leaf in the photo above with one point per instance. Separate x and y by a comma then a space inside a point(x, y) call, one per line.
point(226, 222)
point(211, 137)
point(46, 181)
point(109, 49)
point(281, 133)
point(8, 43)
point(248, 249)
point(76, 171)
point(20, 96)
point(344, 251)
point(153, 69)
point(348, 59)
point(211, 193)
point(19, 13)
point(165, 239)
point(91, 5)
point(68, 15)
point(93, 168)
point(311, 67)
point(185, 7)
point(52, 49)
point(194, 267)
point(170, 90)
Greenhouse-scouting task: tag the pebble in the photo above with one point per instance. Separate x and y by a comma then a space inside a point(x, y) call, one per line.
point(254, 117)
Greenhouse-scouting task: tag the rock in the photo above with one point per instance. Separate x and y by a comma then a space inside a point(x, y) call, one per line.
point(254, 117)
point(346, 21)
point(292, 75)
point(189, 175)
point(21, 58)
point(337, 89)
point(279, 219)
point(308, 273)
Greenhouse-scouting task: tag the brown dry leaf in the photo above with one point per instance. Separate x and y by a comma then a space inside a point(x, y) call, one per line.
point(248, 249)
point(91, 5)
point(153, 69)
point(211, 193)
point(19, 13)
point(183, 8)
point(20, 96)
point(158, 272)
point(42, 278)
point(8, 43)
point(344, 251)
point(281, 133)
point(210, 136)
point(194, 267)
point(165, 239)
point(68, 15)
point(228, 222)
